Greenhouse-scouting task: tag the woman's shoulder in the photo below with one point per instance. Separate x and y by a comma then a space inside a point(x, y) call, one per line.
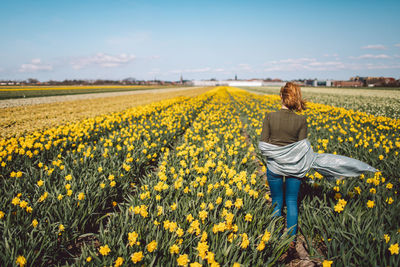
point(272, 114)
point(299, 117)
point(303, 118)
point(268, 113)
point(281, 112)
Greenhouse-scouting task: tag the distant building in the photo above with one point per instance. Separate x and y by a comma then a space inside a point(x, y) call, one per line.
point(246, 83)
point(206, 83)
point(239, 83)
point(309, 82)
point(274, 82)
point(376, 81)
point(347, 83)
point(317, 82)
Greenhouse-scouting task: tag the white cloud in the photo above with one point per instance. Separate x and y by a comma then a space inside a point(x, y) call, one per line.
point(177, 71)
point(36, 61)
point(377, 47)
point(154, 71)
point(372, 66)
point(301, 64)
point(35, 66)
point(297, 60)
point(331, 55)
point(244, 66)
point(398, 45)
point(328, 63)
point(289, 66)
point(199, 70)
point(186, 71)
point(219, 70)
point(370, 56)
point(102, 60)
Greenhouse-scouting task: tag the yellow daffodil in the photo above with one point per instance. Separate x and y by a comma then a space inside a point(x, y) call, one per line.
point(21, 261)
point(394, 249)
point(137, 257)
point(104, 250)
point(182, 260)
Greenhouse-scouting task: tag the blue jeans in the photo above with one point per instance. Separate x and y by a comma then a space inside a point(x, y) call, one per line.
point(291, 186)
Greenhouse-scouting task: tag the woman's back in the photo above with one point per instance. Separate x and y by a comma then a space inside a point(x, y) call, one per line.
point(283, 127)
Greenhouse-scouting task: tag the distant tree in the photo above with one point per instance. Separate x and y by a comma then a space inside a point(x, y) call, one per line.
point(32, 81)
point(129, 80)
point(51, 82)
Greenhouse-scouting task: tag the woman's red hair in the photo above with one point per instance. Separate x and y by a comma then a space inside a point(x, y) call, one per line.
point(291, 97)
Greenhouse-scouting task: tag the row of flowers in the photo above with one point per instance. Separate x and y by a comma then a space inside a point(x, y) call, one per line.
point(79, 174)
point(355, 221)
point(206, 204)
point(177, 183)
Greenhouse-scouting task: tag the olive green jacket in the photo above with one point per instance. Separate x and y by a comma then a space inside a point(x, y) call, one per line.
point(283, 127)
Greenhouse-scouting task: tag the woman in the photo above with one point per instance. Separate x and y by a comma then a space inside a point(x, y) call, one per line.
point(281, 128)
point(290, 155)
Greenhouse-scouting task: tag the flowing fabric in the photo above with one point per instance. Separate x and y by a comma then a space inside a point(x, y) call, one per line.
point(296, 159)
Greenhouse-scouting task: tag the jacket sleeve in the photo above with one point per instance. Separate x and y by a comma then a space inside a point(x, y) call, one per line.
point(303, 129)
point(265, 133)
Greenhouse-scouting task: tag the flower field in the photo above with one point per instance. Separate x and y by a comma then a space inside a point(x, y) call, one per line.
point(7, 92)
point(382, 102)
point(355, 221)
point(181, 182)
point(22, 120)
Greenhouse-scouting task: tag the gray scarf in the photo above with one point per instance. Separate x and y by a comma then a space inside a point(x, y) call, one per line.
point(296, 159)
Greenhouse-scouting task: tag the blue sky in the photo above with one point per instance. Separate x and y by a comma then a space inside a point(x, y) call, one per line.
point(117, 39)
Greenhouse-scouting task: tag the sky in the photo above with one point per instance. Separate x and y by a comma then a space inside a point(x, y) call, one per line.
point(116, 39)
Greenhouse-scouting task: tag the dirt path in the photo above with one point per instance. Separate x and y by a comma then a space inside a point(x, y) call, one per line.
point(53, 99)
